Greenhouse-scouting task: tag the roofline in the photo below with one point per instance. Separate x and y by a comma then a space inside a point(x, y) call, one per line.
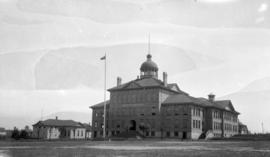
point(158, 86)
point(101, 106)
point(191, 103)
point(146, 88)
point(60, 126)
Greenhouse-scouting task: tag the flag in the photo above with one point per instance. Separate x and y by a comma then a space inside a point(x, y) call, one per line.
point(103, 58)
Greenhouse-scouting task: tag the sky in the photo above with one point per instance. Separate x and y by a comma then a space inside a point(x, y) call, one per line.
point(50, 52)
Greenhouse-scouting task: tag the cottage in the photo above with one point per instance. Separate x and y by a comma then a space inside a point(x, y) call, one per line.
point(59, 129)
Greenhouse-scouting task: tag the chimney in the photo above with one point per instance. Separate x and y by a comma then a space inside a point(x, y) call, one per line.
point(211, 97)
point(165, 76)
point(56, 118)
point(119, 81)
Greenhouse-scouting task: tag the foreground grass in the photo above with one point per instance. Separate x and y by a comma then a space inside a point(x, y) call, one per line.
point(135, 149)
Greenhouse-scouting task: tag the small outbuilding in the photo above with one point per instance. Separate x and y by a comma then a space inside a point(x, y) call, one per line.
point(59, 129)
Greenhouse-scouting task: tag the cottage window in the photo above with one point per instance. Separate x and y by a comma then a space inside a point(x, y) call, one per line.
point(102, 125)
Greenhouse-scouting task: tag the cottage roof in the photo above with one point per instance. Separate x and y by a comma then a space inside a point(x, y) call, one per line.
point(58, 123)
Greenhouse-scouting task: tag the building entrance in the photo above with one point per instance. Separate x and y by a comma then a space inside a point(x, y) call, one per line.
point(184, 135)
point(132, 125)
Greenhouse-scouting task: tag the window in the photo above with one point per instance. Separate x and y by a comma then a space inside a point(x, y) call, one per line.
point(168, 134)
point(194, 125)
point(153, 114)
point(82, 133)
point(152, 133)
point(96, 124)
point(102, 125)
point(147, 133)
point(176, 134)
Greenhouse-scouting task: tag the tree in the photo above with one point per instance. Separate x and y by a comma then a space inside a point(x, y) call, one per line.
point(24, 134)
point(15, 134)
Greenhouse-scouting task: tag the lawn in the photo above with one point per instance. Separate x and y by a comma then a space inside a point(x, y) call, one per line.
point(150, 148)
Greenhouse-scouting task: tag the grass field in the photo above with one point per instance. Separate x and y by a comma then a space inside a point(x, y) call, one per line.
point(149, 148)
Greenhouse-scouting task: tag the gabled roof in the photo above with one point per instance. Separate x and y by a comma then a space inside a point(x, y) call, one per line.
point(226, 104)
point(100, 105)
point(178, 99)
point(145, 83)
point(186, 99)
point(58, 123)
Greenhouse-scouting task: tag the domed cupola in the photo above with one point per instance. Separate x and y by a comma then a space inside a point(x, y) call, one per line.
point(149, 68)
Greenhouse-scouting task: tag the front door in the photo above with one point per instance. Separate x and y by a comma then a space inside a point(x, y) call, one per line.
point(132, 125)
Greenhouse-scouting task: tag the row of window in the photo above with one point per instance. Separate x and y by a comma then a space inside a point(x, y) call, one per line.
point(230, 127)
point(217, 126)
point(196, 124)
point(196, 111)
point(176, 111)
point(82, 133)
point(133, 112)
point(134, 98)
point(152, 133)
point(217, 115)
point(230, 117)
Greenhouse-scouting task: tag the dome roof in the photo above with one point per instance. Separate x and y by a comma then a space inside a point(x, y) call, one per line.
point(149, 65)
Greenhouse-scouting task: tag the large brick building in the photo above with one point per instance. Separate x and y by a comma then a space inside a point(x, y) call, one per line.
point(156, 108)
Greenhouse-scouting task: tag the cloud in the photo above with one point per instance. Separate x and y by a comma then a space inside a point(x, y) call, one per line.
point(263, 7)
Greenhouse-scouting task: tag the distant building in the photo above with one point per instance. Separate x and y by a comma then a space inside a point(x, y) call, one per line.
point(243, 129)
point(59, 129)
point(88, 132)
point(3, 133)
point(156, 108)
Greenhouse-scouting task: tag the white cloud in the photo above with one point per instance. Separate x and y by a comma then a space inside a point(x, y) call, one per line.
point(263, 7)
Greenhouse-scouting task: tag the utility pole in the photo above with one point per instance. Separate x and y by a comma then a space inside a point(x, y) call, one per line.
point(105, 82)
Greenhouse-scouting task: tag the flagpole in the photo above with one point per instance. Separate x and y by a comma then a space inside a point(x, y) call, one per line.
point(105, 78)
